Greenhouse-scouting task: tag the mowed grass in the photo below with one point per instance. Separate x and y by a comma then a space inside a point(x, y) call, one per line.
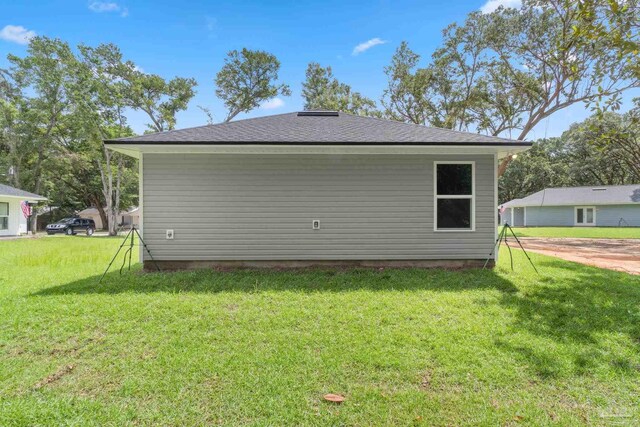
point(405, 347)
point(580, 232)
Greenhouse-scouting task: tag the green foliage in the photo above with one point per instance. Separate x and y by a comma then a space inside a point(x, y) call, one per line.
point(544, 165)
point(602, 150)
point(248, 78)
point(507, 71)
point(56, 108)
point(322, 91)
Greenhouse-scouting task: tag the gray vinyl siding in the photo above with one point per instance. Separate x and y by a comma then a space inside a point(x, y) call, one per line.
point(518, 217)
point(261, 207)
point(611, 215)
point(550, 216)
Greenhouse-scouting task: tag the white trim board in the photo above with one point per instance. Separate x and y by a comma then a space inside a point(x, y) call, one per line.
point(584, 216)
point(134, 150)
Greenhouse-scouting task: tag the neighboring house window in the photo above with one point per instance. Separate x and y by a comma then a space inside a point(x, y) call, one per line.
point(4, 216)
point(454, 202)
point(585, 215)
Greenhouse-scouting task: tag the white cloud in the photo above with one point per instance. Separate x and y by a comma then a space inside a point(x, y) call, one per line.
point(492, 5)
point(272, 104)
point(17, 34)
point(367, 45)
point(211, 22)
point(104, 6)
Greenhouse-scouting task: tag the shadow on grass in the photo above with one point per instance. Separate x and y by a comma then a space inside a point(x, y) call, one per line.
point(308, 280)
point(581, 302)
point(583, 308)
point(571, 309)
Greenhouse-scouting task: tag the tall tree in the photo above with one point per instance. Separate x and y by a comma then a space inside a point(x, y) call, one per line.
point(159, 99)
point(602, 150)
point(322, 90)
point(41, 78)
point(247, 79)
point(509, 70)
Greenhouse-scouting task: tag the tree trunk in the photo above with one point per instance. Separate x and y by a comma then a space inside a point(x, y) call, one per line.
point(95, 201)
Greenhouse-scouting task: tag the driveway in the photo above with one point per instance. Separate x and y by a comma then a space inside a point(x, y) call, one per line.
point(613, 254)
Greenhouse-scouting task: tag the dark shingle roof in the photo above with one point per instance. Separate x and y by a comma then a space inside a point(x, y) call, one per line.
point(294, 128)
point(5, 190)
point(594, 195)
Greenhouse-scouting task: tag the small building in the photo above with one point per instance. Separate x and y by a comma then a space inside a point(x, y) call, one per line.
point(13, 221)
point(124, 218)
point(317, 188)
point(600, 206)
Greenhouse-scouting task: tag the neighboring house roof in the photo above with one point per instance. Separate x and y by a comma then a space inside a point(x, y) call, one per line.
point(318, 127)
point(94, 211)
point(7, 191)
point(575, 196)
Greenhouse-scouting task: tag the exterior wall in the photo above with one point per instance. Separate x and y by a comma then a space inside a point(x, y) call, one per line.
point(505, 217)
point(17, 221)
point(609, 215)
point(518, 217)
point(550, 216)
point(564, 216)
point(261, 207)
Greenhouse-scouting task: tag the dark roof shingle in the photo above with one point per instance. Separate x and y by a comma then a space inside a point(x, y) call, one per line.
point(292, 128)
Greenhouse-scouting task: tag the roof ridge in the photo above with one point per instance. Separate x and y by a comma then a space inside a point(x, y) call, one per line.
point(590, 186)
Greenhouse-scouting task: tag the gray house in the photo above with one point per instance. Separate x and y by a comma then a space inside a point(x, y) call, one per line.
point(602, 206)
point(317, 187)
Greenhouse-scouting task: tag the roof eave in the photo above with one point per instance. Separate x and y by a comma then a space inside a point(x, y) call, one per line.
point(135, 149)
point(34, 197)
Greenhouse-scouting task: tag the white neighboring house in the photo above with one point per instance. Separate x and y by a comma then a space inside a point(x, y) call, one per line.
point(12, 220)
point(125, 218)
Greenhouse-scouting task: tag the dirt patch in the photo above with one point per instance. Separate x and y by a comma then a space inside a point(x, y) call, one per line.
point(54, 377)
point(613, 254)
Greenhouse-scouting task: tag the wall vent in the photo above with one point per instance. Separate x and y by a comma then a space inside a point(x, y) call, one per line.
point(598, 189)
point(318, 113)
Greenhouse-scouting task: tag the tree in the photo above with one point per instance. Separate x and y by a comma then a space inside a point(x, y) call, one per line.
point(321, 90)
point(42, 99)
point(159, 99)
point(509, 70)
point(544, 165)
point(617, 135)
point(247, 79)
point(409, 94)
point(602, 150)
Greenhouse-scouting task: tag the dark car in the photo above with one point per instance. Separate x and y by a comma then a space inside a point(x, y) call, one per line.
point(70, 226)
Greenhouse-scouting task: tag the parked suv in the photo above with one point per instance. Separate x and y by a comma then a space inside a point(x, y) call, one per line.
point(69, 226)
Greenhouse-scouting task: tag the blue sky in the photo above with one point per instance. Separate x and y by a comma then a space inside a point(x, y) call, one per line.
point(191, 38)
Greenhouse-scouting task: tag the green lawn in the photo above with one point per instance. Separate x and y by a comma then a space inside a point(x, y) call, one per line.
point(406, 347)
point(583, 232)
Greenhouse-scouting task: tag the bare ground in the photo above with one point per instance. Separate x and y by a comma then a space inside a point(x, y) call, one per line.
point(613, 254)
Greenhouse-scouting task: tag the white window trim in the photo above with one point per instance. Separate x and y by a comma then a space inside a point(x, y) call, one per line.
point(6, 216)
point(584, 224)
point(437, 196)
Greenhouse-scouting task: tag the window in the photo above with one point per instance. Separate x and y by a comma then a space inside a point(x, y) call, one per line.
point(585, 215)
point(454, 196)
point(4, 216)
